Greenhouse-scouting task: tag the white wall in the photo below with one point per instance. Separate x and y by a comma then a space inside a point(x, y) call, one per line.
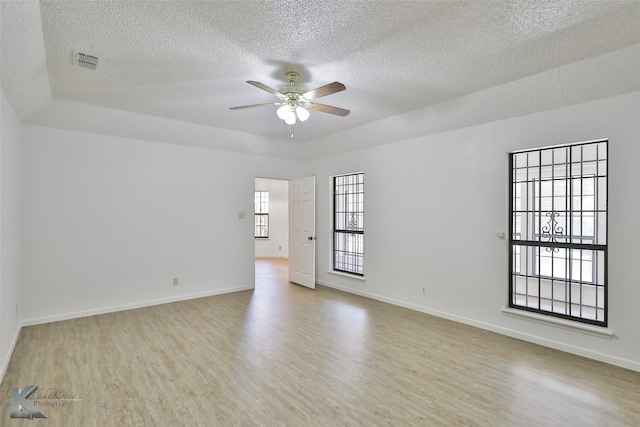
point(277, 245)
point(110, 221)
point(433, 205)
point(10, 229)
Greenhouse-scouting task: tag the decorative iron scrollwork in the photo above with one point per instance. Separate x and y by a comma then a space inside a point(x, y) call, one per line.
point(352, 224)
point(552, 231)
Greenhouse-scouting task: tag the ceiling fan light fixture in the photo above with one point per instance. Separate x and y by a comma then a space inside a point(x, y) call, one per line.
point(291, 118)
point(302, 114)
point(283, 111)
point(288, 113)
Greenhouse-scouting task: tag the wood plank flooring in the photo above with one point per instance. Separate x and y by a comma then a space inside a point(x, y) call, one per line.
point(285, 355)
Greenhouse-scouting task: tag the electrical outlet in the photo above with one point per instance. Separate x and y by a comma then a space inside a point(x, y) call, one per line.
point(175, 281)
point(424, 290)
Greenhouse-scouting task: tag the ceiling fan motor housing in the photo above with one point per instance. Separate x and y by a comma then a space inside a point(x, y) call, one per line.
point(292, 92)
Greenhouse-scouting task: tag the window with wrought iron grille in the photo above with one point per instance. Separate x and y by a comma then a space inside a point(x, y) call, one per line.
point(558, 231)
point(348, 223)
point(261, 201)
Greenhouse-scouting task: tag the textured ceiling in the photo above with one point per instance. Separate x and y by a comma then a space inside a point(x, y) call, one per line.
point(188, 61)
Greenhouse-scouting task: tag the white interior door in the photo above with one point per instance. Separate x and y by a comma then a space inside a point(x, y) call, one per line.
point(302, 229)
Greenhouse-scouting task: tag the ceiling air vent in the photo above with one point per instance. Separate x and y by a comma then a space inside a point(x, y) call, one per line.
point(87, 61)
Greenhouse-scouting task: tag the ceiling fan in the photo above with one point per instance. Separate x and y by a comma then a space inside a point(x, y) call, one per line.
point(294, 101)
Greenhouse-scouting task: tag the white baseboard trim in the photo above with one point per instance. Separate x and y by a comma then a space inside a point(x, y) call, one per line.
point(579, 351)
point(7, 359)
point(130, 306)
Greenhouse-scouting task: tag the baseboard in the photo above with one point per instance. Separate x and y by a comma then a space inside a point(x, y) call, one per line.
point(131, 306)
point(7, 359)
point(612, 360)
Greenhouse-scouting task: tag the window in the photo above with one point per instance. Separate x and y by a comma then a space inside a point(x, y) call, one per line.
point(348, 223)
point(558, 231)
point(262, 214)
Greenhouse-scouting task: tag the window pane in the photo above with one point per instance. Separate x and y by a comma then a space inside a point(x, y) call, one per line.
point(589, 152)
point(348, 223)
point(601, 221)
point(261, 201)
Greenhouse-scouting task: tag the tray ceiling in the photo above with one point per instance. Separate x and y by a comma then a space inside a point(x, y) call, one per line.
point(188, 61)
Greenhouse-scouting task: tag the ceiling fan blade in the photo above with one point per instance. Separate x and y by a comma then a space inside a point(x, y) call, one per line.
point(324, 90)
point(242, 107)
point(265, 88)
point(328, 109)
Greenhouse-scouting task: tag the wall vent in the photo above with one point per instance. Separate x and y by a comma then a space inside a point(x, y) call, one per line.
point(87, 61)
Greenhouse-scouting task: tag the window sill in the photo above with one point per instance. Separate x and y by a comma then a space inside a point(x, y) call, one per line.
point(560, 323)
point(350, 276)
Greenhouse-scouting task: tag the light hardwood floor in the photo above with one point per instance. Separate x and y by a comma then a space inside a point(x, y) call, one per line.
point(285, 355)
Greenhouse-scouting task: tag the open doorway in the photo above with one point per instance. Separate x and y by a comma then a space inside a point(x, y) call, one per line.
point(271, 225)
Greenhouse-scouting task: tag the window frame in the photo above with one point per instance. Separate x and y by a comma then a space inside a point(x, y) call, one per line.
point(261, 218)
point(559, 238)
point(351, 230)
